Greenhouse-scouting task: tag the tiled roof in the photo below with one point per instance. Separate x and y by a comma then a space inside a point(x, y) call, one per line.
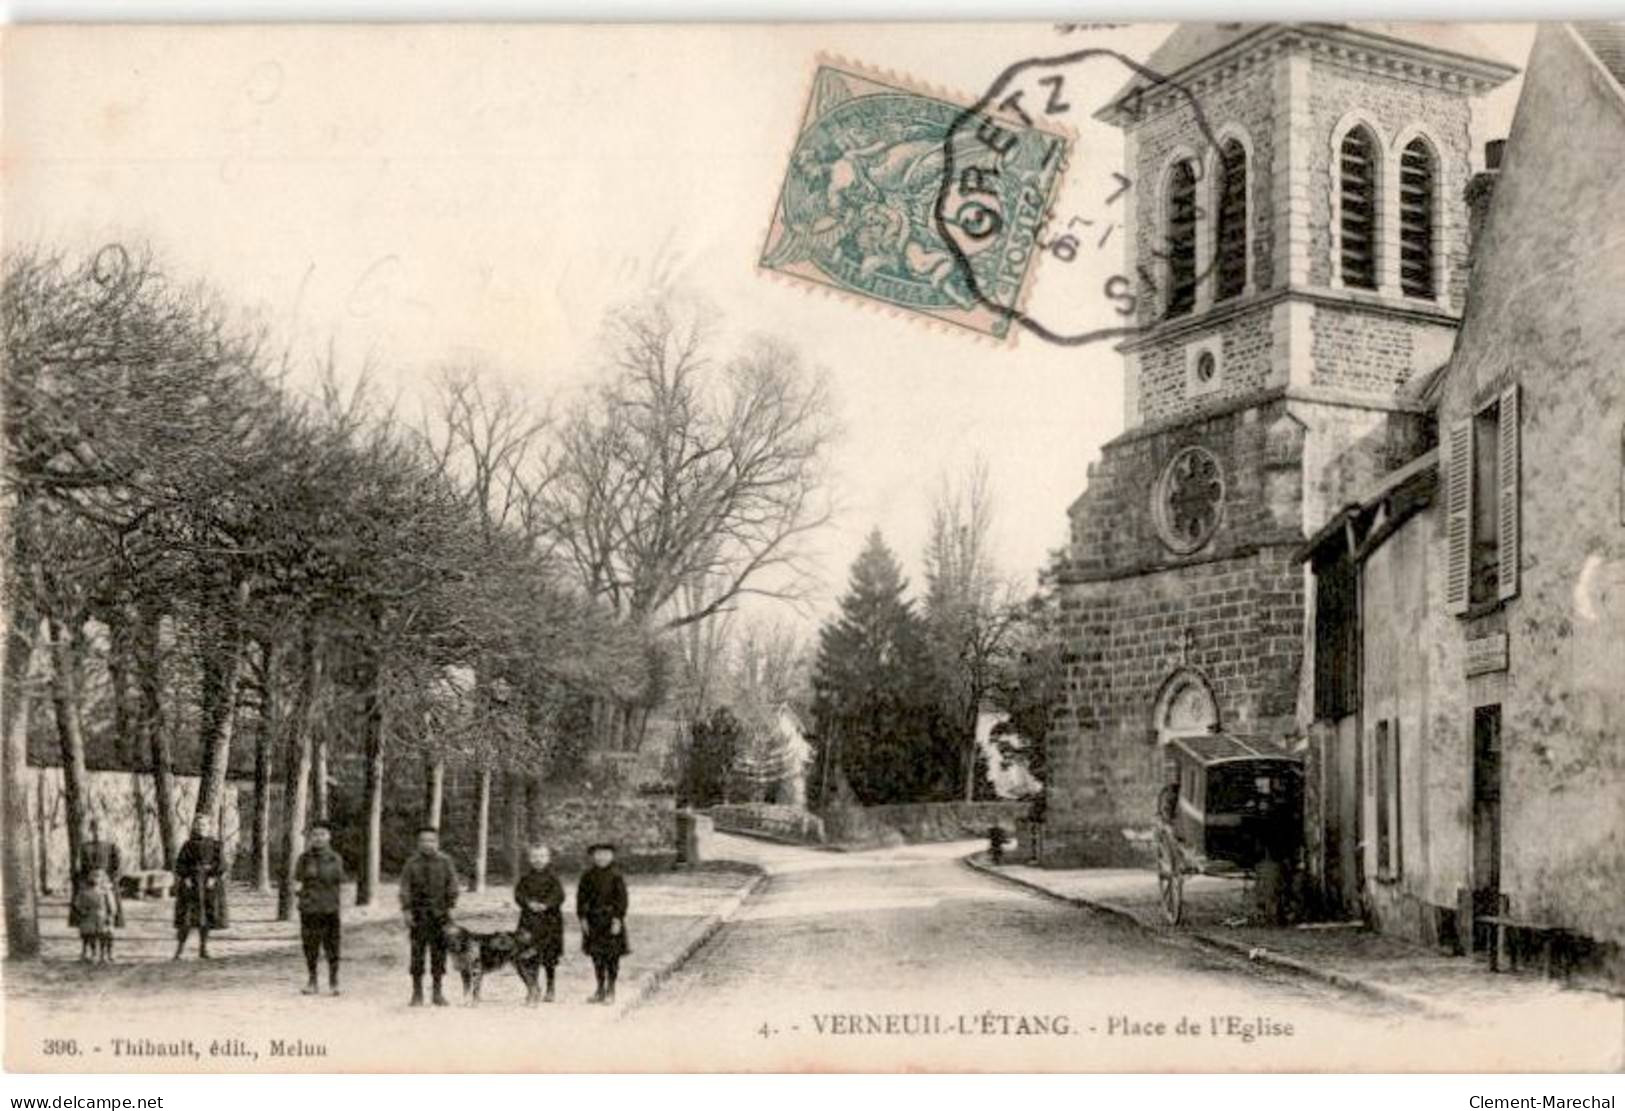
point(1607, 42)
point(1210, 748)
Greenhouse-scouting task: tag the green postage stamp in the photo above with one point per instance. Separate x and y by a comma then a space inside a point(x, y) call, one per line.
point(863, 208)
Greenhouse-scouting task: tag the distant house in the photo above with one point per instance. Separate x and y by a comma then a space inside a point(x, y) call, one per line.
point(776, 757)
point(1010, 780)
point(797, 749)
point(1469, 677)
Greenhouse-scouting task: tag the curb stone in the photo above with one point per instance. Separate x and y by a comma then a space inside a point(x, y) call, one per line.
point(1253, 954)
point(707, 928)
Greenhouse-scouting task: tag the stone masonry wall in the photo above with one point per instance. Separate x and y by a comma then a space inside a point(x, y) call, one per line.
point(1247, 345)
point(1359, 347)
point(1235, 622)
point(1135, 613)
point(1113, 529)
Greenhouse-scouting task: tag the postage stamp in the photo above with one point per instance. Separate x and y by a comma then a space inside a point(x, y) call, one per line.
point(865, 208)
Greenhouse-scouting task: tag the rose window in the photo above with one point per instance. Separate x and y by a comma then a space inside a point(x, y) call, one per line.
point(1190, 495)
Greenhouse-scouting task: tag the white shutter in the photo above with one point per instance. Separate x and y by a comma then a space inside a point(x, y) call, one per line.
point(1458, 509)
point(1506, 512)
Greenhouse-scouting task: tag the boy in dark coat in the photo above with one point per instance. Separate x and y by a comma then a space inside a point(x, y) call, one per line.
point(601, 906)
point(200, 892)
point(428, 894)
point(540, 897)
point(320, 872)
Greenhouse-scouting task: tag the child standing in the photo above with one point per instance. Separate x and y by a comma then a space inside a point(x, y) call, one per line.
point(97, 911)
point(601, 904)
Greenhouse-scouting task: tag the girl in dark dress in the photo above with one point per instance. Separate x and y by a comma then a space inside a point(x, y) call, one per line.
point(601, 905)
point(540, 897)
point(200, 891)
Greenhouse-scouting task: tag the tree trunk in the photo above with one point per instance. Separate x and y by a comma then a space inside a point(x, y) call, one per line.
point(296, 793)
point(533, 811)
point(970, 767)
point(16, 829)
point(150, 712)
point(118, 677)
point(319, 787)
point(482, 828)
point(42, 831)
point(514, 797)
point(434, 789)
point(264, 740)
point(70, 733)
point(373, 730)
point(222, 677)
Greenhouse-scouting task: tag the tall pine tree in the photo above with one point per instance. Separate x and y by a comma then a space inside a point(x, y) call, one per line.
point(874, 691)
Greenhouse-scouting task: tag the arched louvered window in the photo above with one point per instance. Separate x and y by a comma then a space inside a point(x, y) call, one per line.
point(1182, 238)
point(1232, 230)
point(1358, 224)
point(1418, 189)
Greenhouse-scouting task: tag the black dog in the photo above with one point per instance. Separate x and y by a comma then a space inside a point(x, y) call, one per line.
point(475, 954)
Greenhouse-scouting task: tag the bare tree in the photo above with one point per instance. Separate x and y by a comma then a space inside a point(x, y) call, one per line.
point(969, 608)
point(683, 470)
point(490, 444)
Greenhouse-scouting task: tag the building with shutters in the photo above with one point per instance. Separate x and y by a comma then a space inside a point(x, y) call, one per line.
point(1303, 252)
point(1469, 608)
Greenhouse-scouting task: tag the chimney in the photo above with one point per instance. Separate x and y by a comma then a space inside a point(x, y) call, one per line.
point(1479, 191)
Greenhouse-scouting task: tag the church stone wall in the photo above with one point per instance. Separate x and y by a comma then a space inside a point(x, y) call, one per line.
point(1234, 623)
point(1113, 526)
point(1136, 614)
point(1361, 352)
point(1248, 362)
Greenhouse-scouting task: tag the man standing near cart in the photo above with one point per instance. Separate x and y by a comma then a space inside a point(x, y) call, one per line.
point(428, 894)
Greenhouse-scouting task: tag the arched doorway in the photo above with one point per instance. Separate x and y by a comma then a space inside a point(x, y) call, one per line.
point(1184, 706)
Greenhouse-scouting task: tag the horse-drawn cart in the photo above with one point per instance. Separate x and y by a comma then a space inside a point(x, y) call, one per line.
point(1235, 810)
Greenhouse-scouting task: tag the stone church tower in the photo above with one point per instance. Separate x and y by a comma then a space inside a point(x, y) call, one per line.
point(1300, 247)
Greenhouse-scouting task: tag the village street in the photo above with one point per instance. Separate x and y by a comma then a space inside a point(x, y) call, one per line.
point(888, 959)
point(840, 947)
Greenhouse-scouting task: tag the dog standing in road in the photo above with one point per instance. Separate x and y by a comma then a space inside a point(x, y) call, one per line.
point(475, 954)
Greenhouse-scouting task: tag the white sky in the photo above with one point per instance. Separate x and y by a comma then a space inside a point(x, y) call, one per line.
point(423, 194)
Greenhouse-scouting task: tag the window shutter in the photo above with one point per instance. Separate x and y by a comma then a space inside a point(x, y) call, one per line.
point(1181, 245)
point(1416, 216)
point(1458, 528)
point(1399, 804)
point(1232, 222)
point(1507, 511)
point(1357, 164)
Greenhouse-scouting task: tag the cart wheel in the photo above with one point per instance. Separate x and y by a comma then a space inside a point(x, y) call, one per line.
point(1170, 882)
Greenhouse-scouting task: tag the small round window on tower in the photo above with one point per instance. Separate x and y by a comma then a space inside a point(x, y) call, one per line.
point(1206, 367)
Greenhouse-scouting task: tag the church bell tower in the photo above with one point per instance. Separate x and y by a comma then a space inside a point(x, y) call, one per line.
point(1299, 240)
